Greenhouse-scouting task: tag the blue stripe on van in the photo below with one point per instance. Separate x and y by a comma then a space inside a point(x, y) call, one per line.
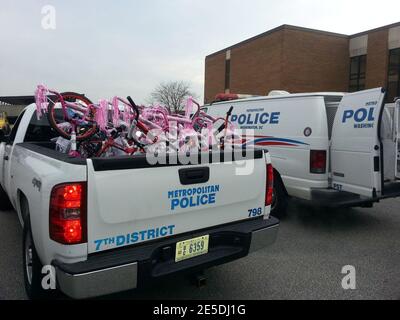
point(285, 141)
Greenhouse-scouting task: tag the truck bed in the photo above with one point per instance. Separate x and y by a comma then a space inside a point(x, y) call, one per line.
point(131, 201)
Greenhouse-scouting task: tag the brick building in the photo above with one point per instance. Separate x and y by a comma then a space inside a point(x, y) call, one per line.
point(297, 59)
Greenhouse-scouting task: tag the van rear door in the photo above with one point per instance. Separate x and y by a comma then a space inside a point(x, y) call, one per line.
point(356, 149)
point(397, 138)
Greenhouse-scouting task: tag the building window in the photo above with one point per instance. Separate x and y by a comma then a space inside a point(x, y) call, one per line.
point(358, 66)
point(394, 75)
point(227, 75)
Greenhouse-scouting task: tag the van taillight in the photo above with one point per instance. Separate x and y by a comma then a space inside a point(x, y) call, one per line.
point(318, 161)
point(67, 223)
point(270, 185)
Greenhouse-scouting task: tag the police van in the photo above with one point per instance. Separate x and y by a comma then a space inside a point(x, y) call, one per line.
point(332, 149)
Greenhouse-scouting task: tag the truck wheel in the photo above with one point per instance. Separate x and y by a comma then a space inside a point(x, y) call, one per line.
point(279, 198)
point(32, 266)
point(5, 203)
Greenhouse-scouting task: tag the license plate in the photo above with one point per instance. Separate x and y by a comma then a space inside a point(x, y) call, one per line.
point(191, 248)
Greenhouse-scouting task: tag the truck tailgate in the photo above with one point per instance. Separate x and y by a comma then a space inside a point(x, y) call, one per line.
point(130, 201)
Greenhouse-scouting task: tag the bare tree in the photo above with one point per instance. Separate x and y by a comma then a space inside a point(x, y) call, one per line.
point(172, 95)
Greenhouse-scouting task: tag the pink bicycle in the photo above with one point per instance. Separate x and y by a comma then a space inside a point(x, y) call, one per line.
point(121, 125)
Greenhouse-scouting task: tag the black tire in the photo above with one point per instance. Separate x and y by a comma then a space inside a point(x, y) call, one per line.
point(30, 259)
point(280, 198)
point(5, 203)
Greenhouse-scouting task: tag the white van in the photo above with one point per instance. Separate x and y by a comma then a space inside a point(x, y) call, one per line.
point(333, 149)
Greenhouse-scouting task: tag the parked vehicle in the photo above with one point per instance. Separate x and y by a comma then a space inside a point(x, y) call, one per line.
point(113, 224)
point(332, 149)
point(4, 123)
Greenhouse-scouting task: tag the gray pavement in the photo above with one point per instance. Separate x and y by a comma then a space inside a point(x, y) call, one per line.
point(305, 263)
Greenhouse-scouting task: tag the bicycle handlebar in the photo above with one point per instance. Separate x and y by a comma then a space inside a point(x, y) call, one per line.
point(134, 106)
point(224, 125)
point(198, 109)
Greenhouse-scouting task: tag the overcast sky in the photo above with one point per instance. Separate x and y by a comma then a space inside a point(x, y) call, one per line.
point(120, 47)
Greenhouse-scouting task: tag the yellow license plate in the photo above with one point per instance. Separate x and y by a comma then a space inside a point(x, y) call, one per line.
point(191, 248)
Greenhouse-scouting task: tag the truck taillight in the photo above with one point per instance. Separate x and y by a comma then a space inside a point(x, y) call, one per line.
point(67, 223)
point(270, 185)
point(318, 161)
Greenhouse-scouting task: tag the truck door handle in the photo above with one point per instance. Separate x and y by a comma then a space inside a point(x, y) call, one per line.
point(194, 176)
point(5, 158)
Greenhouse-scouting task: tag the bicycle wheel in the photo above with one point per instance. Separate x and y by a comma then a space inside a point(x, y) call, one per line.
point(89, 148)
point(62, 125)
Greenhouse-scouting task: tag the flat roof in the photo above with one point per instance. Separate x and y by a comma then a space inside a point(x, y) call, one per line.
point(283, 96)
point(291, 27)
point(282, 27)
point(17, 100)
point(393, 25)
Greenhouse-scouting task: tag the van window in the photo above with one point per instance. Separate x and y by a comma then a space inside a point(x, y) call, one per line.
point(387, 123)
point(332, 106)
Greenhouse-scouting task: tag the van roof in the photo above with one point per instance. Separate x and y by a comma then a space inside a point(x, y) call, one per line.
point(337, 95)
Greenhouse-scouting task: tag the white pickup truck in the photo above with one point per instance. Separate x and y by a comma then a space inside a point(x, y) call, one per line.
point(106, 225)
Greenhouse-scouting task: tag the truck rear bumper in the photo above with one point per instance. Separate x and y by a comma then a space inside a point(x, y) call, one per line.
point(335, 199)
point(132, 267)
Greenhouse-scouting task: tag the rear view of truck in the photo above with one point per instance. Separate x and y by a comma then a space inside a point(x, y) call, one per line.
point(110, 224)
point(142, 221)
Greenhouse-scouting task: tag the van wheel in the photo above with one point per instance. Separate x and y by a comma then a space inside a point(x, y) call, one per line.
point(279, 199)
point(5, 203)
point(32, 267)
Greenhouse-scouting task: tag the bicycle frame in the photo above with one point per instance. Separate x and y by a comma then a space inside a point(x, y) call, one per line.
point(110, 143)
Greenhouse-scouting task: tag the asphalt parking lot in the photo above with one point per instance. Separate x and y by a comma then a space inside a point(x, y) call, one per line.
point(305, 263)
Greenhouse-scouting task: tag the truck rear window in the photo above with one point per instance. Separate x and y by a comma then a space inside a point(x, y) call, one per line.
point(39, 130)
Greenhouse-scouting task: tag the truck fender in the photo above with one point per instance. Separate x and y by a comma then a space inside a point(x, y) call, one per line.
point(22, 205)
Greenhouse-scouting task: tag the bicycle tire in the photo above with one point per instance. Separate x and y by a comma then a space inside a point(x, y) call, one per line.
point(52, 119)
point(89, 149)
